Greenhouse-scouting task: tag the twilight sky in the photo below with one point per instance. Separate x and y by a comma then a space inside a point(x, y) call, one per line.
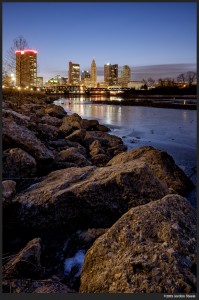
point(138, 34)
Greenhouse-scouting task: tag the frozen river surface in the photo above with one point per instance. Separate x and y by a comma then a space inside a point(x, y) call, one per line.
point(172, 130)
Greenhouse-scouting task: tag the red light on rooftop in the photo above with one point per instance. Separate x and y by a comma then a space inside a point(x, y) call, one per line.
point(25, 51)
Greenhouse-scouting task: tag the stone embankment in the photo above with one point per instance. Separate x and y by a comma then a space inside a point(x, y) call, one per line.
point(70, 189)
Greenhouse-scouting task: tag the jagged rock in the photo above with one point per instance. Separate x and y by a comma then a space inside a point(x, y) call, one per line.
point(84, 124)
point(73, 120)
point(77, 136)
point(95, 148)
point(17, 163)
point(19, 136)
point(47, 119)
point(72, 155)
point(65, 129)
point(111, 144)
point(113, 151)
point(87, 197)
point(93, 124)
point(150, 249)
point(20, 119)
point(53, 287)
point(59, 144)
point(47, 132)
point(103, 128)
point(26, 263)
point(161, 163)
point(55, 111)
point(105, 139)
point(100, 160)
point(8, 190)
point(35, 286)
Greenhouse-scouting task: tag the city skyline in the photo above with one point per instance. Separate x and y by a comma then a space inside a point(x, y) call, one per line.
point(130, 33)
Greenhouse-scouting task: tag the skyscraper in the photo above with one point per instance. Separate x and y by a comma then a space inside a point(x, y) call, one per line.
point(111, 74)
point(26, 68)
point(73, 74)
point(125, 75)
point(93, 72)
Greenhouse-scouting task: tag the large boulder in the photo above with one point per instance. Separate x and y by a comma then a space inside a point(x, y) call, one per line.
point(150, 249)
point(77, 198)
point(161, 163)
point(19, 136)
point(17, 163)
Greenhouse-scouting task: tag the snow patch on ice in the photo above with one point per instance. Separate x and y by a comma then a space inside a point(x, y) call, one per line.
point(77, 260)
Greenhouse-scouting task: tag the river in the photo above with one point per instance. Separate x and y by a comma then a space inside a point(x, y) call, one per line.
point(171, 130)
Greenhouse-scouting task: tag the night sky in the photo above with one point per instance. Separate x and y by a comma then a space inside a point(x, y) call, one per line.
point(137, 34)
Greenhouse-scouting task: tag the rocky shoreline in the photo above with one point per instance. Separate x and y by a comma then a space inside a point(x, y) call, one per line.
point(73, 195)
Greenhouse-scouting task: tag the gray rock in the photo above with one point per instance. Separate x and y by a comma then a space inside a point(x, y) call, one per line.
point(47, 132)
point(8, 190)
point(150, 249)
point(65, 129)
point(19, 136)
point(103, 128)
point(72, 155)
point(55, 111)
point(17, 163)
point(47, 119)
point(95, 148)
point(100, 160)
point(77, 136)
point(73, 120)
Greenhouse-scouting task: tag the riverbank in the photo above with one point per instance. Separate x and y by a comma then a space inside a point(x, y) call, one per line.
point(67, 182)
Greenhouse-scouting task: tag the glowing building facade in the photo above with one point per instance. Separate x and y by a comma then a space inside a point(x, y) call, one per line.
point(26, 68)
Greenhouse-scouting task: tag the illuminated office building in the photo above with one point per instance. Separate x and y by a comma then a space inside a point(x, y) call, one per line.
point(111, 74)
point(125, 75)
point(26, 68)
point(74, 74)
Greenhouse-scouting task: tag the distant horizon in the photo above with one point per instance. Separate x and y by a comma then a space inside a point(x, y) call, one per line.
point(138, 72)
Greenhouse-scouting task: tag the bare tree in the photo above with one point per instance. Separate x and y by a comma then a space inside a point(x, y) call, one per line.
point(190, 77)
point(150, 81)
point(181, 78)
point(19, 43)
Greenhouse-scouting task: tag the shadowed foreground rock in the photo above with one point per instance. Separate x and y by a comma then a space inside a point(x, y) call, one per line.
point(151, 248)
point(87, 197)
point(26, 263)
point(161, 163)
